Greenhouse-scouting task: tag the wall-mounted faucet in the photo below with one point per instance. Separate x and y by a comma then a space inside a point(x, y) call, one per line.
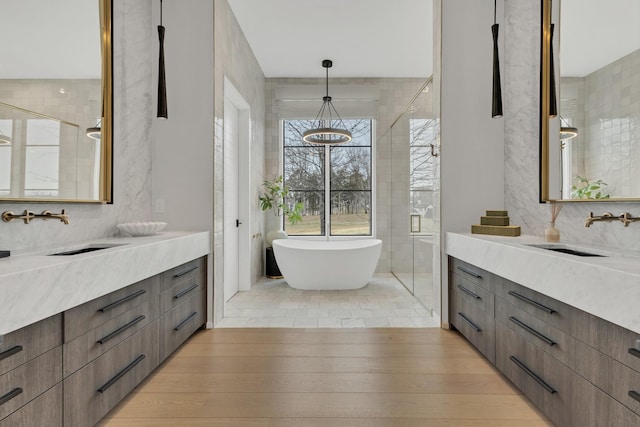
point(626, 218)
point(27, 216)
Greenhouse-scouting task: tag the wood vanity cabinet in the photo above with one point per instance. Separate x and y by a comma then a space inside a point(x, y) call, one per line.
point(578, 369)
point(73, 368)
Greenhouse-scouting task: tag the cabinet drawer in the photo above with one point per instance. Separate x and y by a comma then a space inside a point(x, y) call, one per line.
point(548, 383)
point(541, 306)
point(95, 389)
point(472, 273)
point(180, 292)
point(92, 344)
point(44, 411)
point(476, 325)
point(180, 323)
point(549, 338)
point(23, 384)
point(20, 346)
point(190, 272)
point(616, 379)
point(85, 317)
point(467, 291)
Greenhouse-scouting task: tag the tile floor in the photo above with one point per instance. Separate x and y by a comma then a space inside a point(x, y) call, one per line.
point(384, 302)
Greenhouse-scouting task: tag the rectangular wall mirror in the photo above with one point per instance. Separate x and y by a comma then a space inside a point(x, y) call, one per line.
point(590, 149)
point(56, 101)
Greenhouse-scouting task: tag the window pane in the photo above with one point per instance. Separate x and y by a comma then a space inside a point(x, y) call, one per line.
point(360, 132)
point(41, 168)
point(43, 132)
point(350, 168)
point(350, 213)
point(5, 170)
point(421, 170)
point(312, 223)
point(422, 131)
point(293, 130)
point(421, 204)
point(304, 168)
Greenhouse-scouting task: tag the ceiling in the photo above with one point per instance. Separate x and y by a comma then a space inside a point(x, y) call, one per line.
point(364, 38)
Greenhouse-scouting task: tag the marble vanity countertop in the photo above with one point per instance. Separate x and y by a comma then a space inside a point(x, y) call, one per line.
point(607, 287)
point(35, 286)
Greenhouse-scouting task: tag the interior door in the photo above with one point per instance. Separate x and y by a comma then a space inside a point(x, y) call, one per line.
point(231, 211)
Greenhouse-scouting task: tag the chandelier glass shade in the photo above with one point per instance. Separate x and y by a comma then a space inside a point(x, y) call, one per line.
point(328, 127)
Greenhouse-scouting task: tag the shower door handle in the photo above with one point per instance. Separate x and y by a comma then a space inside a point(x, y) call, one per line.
point(238, 223)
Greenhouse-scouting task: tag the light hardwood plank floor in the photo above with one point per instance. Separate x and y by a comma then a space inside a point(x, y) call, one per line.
point(326, 377)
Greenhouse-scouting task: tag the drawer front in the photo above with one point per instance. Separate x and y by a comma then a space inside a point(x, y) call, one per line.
point(181, 291)
point(45, 411)
point(23, 384)
point(29, 342)
point(475, 324)
point(472, 273)
point(92, 344)
point(547, 382)
point(85, 317)
point(182, 275)
point(180, 323)
point(616, 379)
point(541, 306)
point(472, 293)
point(548, 338)
point(95, 389)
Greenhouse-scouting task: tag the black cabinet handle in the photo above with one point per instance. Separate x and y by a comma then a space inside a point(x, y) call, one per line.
point(185, 321)
point(185, 271)
point(533, 375)
point(532, 331)
point(122, 301)
point(7, 397)
point(468, 291)
point(10, 352)
point(185, 291)
point(466, 319)
point(120, 330)
point(469, 272)
point(121, 374)
point(532, 302)
point(634, 394)
point(632, 351)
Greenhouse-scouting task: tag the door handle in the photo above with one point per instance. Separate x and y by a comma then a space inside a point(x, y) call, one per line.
point(238, 223)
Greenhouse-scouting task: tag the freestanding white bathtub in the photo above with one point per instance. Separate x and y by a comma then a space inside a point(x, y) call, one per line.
point(327, 265)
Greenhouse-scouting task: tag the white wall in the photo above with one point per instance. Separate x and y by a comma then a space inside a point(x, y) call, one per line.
point(472, 143)
point(131, 147)
point(183, 144)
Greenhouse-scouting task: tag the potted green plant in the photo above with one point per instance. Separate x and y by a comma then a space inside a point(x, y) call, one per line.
point(589, 189)
point(273, 196)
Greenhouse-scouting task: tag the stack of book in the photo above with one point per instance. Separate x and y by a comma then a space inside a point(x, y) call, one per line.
point(496, 223)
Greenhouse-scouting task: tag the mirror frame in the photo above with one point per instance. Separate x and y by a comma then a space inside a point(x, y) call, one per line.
point(545, 79)
point(106, 146)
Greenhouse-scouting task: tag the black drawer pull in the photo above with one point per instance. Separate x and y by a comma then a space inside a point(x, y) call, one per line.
point(185, 271)
point(185, 321)
point(185, 291)
point(532, 331)
point(533, 375)
point(121, 374)
point(120, 330)
point(122, 301)
point(634, 352)
point(7, 397)
point(10, 352)
point(532, 302)
point(466, 319)
point(469, 272)
point(468, 291)
point(634, 394)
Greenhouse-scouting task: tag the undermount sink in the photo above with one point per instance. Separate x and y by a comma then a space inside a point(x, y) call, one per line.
point(77, 251)
point(566, 250)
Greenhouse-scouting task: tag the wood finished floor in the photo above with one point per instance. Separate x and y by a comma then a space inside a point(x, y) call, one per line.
point(326, 377)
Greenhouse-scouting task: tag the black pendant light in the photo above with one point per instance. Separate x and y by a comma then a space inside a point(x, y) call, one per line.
point(162, 80)
point(324, 132)
point(553, 102)
point(496, 97)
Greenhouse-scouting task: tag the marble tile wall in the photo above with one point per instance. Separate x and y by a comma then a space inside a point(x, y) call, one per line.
point(132, 147)
point(521, 101)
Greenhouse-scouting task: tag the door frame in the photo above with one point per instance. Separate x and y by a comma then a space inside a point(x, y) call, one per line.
point(232, 95)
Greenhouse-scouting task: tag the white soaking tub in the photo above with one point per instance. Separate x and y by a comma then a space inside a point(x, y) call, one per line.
point(327, 265)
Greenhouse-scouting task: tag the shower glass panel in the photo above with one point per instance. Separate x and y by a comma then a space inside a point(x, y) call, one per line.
point(414, 175)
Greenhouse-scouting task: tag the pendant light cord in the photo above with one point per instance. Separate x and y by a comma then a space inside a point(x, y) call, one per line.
point(160, 12)
point(327, 81)
point(494, 11)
